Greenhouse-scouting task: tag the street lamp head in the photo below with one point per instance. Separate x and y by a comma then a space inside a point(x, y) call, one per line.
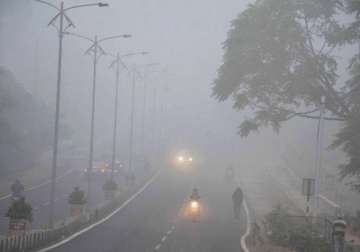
point(127, 36)
point(103, 4)
point(144, 53)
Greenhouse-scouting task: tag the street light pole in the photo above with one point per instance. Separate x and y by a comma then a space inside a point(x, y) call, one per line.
point(61, 15)
point(57, 113)
point(132, 121)
point(143, 116)
point(97, 51)
point(113, 159)
point(117, 62)
point(146, 66)
point(92, 122)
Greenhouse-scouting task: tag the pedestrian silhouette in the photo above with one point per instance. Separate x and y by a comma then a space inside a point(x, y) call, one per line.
point(237, 198)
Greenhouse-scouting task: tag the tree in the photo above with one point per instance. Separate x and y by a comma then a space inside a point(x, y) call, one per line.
point(110, 185)
point(26, 126)
point(280, 60)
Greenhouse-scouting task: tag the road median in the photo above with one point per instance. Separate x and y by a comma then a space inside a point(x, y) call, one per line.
point(45, 240)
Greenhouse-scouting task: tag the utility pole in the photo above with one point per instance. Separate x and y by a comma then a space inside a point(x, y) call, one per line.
point(318, 159)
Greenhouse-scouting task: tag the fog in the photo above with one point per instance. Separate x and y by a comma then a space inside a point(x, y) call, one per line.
point(186, 41)
point(185, 37)
point(188, 48)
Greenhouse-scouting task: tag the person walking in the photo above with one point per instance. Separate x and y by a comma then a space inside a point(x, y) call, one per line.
point(237, 198)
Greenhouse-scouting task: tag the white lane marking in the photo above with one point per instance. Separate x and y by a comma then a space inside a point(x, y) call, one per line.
point(36, 208)
point(41, 184)
point(330, 202)
point(122, 206)
point(248, 228)
point(46, 204)
point(248, 223)
point(163, 239)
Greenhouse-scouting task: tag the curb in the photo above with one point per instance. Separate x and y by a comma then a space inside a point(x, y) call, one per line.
point(248, 228)
point(123, 205)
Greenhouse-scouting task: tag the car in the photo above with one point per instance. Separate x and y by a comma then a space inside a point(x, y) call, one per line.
point(101, 167)
point(184, 158)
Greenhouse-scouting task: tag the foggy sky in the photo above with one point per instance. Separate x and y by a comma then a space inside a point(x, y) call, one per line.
point(185, 37)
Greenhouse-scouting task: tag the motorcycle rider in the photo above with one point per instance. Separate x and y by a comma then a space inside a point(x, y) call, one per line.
point(195, 195)
point(194, 205)
point(237, 198)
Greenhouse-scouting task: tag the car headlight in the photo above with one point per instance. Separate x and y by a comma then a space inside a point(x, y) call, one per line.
point(190, 159)
point(181, 158)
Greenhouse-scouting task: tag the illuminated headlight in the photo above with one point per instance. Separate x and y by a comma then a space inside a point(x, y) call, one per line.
point(194, 205)
point(190, 159)
point(180, 158)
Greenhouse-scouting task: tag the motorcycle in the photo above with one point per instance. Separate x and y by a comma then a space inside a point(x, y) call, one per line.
point(194, 210)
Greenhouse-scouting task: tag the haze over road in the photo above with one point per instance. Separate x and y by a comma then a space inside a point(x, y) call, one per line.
point(154, 221)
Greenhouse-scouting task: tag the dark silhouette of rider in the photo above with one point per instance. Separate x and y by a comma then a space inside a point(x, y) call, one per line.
point(195, 194)
point(237, 198)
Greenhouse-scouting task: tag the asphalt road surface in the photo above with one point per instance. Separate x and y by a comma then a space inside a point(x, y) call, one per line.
point(155, 220)
point(39, 199)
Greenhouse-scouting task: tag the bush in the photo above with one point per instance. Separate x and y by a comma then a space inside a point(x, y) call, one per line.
point(278, 228)
point(294, 232)
point(110, 185)
point(20, 209)
point(355, 221)
point(306, 238)
point(77, 197)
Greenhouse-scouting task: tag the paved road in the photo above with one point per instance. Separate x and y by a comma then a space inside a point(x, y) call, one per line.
point(154, 221)
point(39, 199)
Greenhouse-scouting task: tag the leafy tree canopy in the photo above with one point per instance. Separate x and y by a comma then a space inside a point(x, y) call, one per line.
point(280, 61)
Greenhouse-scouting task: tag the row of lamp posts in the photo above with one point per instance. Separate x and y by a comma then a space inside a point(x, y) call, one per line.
point(96, 51)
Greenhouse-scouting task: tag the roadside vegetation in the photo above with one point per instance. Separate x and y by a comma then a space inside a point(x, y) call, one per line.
point(294, 232)
point(282, 61)
point(25, 126)
point(20, 210)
